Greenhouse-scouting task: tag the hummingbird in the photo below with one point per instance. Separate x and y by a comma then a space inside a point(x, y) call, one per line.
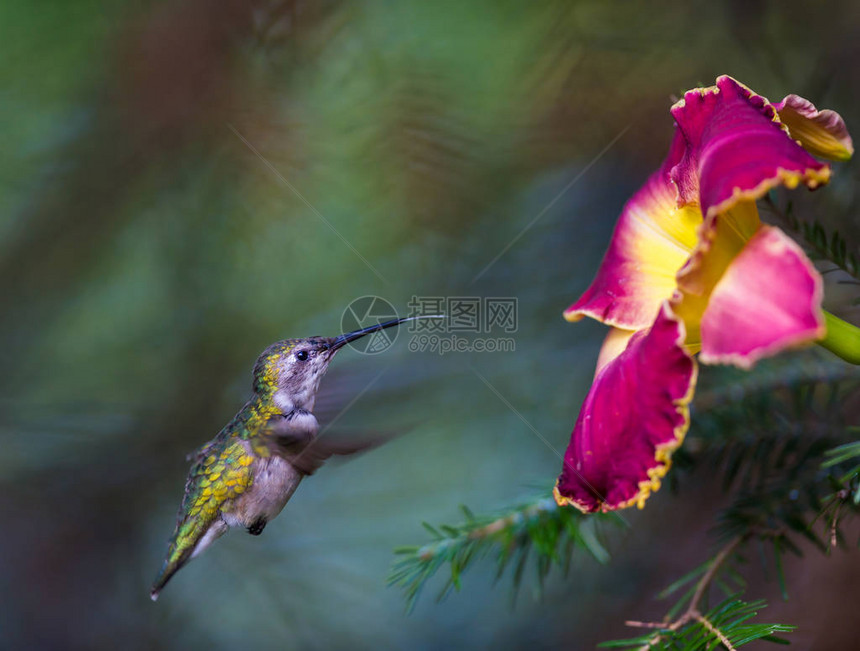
point(245, 475)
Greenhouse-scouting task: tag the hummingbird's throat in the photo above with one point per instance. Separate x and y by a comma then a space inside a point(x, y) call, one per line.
point(301, 397)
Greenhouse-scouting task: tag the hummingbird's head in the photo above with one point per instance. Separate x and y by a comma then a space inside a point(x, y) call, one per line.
point(290, 371)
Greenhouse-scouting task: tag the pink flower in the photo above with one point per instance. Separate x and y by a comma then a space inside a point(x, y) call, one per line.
point(692, 270)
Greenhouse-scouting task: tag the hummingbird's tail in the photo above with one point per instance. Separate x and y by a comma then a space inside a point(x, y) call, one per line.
point(169, 568)
point(183, 549)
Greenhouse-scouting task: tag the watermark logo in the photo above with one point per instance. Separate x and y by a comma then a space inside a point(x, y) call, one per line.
point(466, 314)
point(488, 317)
point(444, 344)
point(369, 311)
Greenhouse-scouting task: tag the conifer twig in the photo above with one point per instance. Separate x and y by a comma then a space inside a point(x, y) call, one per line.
point(692, 612)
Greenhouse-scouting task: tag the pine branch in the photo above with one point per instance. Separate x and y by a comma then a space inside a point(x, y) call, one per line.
point(771, 426)
point(694, 629)
point(727, 386)
point(692, 611)
point(843, 463)
point(770, 430)
point(727, 625)
point(538, 528)
point(773, 445)
point(823, 245)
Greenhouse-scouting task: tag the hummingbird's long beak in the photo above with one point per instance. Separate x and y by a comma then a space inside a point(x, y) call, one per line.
point(342, 340)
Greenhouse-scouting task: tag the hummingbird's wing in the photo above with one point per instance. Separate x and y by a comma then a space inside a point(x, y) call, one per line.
point(306, 451)
point(219, 476)
point(202, 452)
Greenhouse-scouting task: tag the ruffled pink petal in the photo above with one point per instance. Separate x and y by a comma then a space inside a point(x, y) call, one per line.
point(736, 149)
point(767, 300)
point(652, 239)
point(635, 415)
point(822, 133)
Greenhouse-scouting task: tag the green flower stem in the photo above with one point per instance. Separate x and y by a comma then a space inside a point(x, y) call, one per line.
point(842, 338)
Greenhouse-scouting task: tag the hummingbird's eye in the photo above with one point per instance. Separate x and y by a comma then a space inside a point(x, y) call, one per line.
point(302, 355)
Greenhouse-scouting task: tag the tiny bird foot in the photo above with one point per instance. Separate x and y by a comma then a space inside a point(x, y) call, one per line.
point(257, 527)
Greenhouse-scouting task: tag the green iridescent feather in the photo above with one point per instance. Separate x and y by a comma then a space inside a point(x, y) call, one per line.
point(221, 473)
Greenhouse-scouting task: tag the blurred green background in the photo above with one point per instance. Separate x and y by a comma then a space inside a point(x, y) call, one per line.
point(147, 255)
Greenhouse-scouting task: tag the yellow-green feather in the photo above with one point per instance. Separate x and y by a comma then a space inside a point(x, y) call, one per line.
point(220, 475)
point(223, 467)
